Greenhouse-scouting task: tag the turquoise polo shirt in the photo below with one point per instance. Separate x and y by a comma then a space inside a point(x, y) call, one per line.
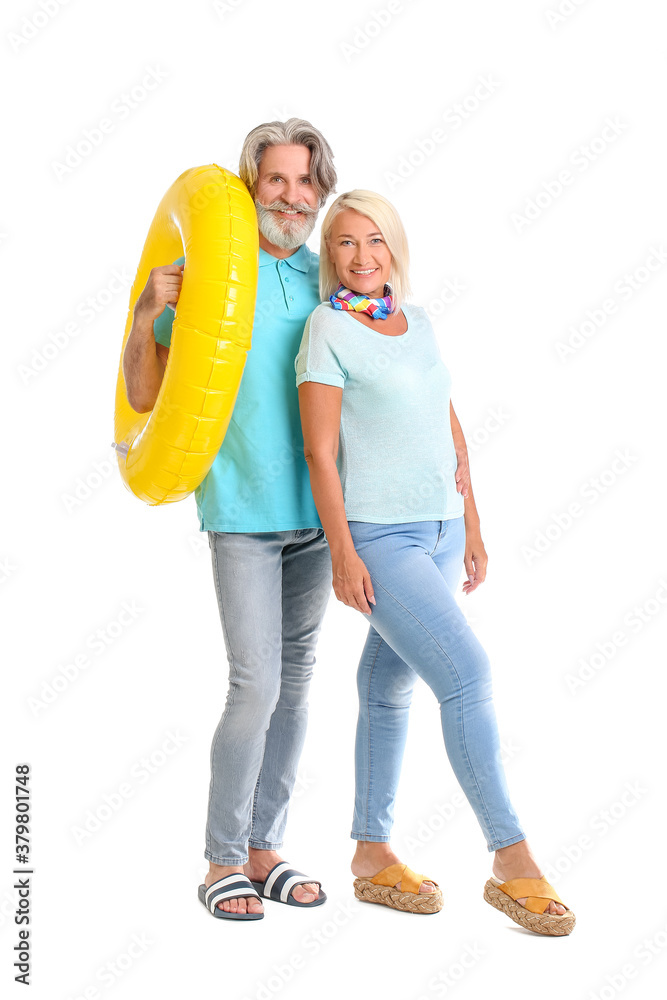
point(259, 479)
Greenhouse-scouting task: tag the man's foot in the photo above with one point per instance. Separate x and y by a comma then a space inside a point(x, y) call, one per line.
point(517, 861)
point(260, 864)
point(246, 904)
point(371, 858)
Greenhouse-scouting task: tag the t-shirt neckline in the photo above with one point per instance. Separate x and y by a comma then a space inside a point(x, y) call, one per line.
point(396, 336)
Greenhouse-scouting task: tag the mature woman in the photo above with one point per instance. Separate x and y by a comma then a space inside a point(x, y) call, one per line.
point(375, 408)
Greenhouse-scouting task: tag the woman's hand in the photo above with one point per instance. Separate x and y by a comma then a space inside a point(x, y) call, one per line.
point(462, 475)
point(352, 582)
point(475, 560)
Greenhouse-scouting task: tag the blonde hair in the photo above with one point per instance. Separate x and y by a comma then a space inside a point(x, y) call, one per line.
point(383, 214)
point(293, 132)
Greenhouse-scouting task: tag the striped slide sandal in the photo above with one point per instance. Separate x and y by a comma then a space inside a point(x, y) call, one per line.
point(234, 886)
point(279, 883)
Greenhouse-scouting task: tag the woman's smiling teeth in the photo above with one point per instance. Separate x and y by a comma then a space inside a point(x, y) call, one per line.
point(370, 271)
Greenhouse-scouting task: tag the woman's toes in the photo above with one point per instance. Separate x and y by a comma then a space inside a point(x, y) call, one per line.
point(553, 907)
point(423, 887)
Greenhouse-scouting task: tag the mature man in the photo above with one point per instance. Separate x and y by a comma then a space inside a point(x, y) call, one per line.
point(271, 563)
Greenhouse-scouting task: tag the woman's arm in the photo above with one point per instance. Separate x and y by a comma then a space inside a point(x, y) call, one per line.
point(320, 418)
point(475, 559)
point(461, 449)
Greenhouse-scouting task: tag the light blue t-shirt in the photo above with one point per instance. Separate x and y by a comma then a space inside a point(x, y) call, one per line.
point(259, 480)
point(396, 456)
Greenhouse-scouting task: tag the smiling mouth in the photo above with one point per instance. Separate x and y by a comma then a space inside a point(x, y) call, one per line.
point(370, 271)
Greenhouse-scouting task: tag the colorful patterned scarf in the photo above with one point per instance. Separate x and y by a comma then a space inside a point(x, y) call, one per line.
point(344, 298)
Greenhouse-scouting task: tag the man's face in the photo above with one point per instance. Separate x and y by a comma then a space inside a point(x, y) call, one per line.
point(286, 199)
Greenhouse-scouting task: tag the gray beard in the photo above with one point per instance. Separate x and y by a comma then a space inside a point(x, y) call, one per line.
point(284, 233)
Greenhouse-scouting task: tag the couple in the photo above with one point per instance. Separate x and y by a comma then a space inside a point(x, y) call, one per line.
point(373, 456)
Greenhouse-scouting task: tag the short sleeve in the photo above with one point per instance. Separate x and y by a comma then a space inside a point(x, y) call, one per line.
point(317, 360)
point(163, 324)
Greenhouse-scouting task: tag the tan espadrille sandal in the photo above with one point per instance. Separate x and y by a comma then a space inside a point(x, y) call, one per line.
point(503, 896)
point(380, 889)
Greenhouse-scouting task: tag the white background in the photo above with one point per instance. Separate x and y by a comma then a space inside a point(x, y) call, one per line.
point(377, 91)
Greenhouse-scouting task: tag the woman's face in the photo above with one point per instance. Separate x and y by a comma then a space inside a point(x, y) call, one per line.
point(359, 253)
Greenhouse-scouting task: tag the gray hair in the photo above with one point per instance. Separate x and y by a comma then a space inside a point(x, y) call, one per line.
point(293, 132)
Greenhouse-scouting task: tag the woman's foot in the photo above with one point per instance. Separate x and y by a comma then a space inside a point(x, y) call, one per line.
point(245, 904)
point(371, 858)
point(260, 864)
point(517, 861)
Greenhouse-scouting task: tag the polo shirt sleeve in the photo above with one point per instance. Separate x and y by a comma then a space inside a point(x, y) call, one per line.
point(318, 360)
point(163, 324)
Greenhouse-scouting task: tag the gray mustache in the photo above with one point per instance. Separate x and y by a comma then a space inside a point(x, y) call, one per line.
point(298, 206)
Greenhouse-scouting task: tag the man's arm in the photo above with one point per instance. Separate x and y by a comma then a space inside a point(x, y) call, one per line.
point(144, 360)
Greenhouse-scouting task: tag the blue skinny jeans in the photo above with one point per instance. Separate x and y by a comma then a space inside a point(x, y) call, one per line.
point(418, 630)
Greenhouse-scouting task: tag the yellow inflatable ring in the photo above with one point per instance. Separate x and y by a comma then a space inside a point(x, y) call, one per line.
point(208, 216)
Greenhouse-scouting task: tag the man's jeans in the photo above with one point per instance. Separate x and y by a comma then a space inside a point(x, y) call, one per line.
point(418, 630)
point(273, 589)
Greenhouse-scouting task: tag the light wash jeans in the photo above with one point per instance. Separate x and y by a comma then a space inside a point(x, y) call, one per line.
point(273, 589)
point(418, 629)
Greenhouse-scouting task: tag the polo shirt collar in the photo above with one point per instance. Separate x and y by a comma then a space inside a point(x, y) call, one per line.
point(300, 260)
